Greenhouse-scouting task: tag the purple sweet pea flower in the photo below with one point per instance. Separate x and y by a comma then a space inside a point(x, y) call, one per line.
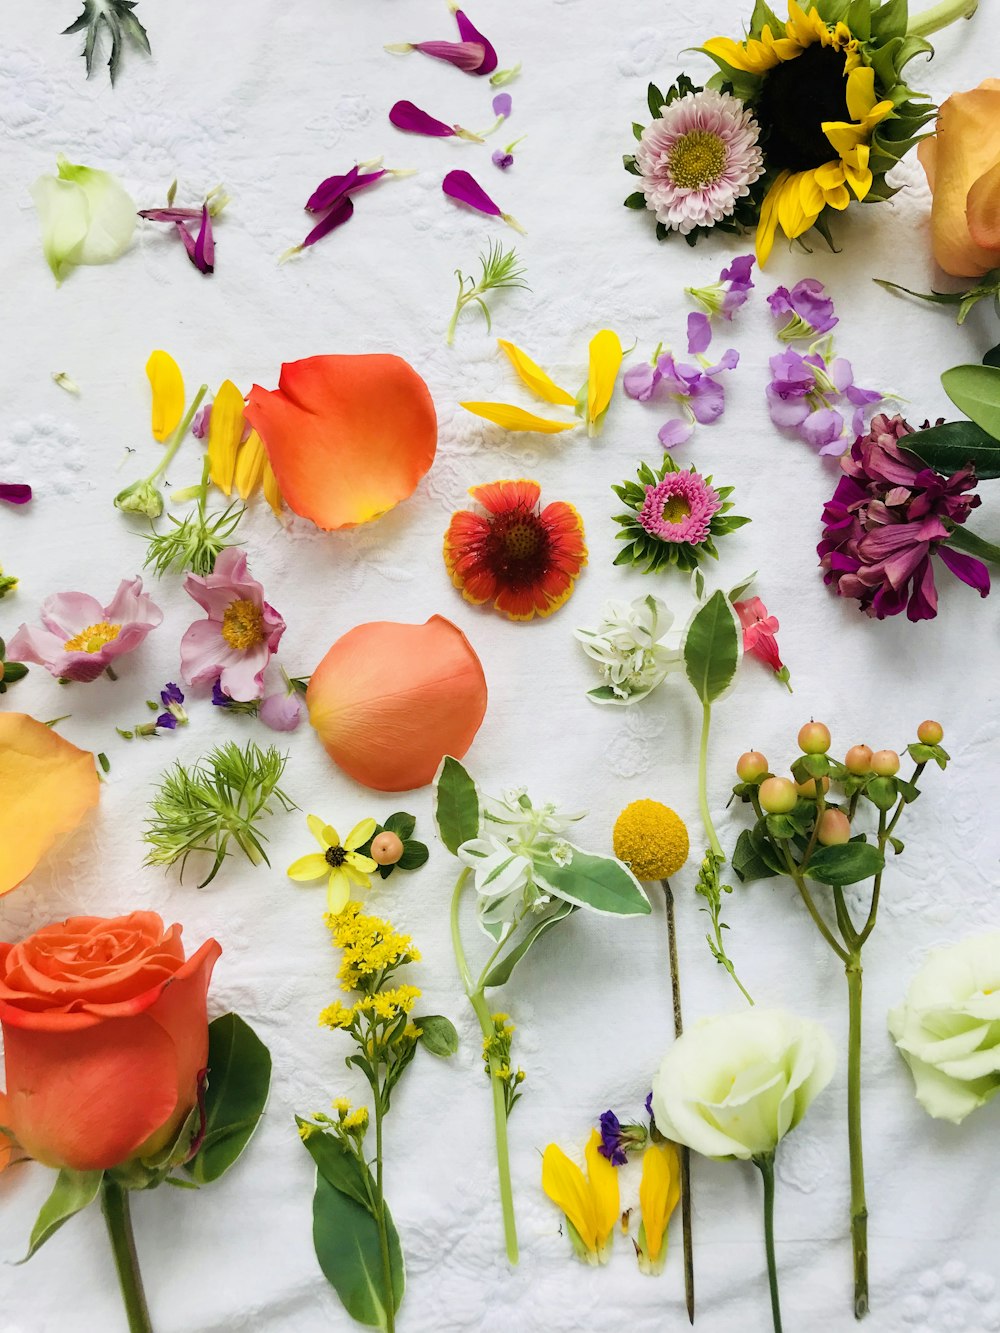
point(807, 309)
point(459, 185)
point(15, 493)
point(502, 105)
point(804, 394)
point(730, 292)
point(618, 1140)
point(696, 390)
point(282, 711)
point(502, 159)
point(172, 699)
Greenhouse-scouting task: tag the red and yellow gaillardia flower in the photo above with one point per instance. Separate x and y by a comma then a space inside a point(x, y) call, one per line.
point(523, 559)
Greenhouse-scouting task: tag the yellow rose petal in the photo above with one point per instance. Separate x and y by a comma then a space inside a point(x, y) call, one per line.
point(249, 471)
point(531, 374)
point(167, 383)
point(564, 1183)
point(516, 418)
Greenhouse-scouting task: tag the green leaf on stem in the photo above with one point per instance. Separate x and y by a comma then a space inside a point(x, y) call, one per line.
point(72, 1192)
point(964, 540)
point(456, 808)
point(882, 792)
point(239, 1076)
point(811, 766)
point(401, 824)
point(501, 971)
point(346, 1239)
point(712, 648)
point(954, 445)
point(849, 863)
point(598, 882)
point(975, 390)
point(992, 357)
point(337, 1165)
point(437, 1034)
point(748, 864)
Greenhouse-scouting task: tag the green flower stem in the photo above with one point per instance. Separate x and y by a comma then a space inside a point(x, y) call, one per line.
point(706, 816)
point(481, 1009)
point(939, 16)
point(685, 1153)
point(765, 1165)
point(859, 1206)
point(799, 882)
point(178, 436)
point(383, 1234)
point(115, 1207)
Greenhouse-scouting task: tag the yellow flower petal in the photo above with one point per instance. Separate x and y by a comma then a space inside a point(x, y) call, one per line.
point(604, 1189)
point(225, 428)
point(767, 225)
point(531, 374)
point(250, 459)
point(754, 57)
point(319, 831)
point(563, 1182)
point(516, 418)
point(167, 383)
point(272, 492)
point(353, 875)
point(362, 863)
point(860, 91)
point(306, 868)
point(338, 891)
point(360, 833)
point(605, 363)
point(659, 1194)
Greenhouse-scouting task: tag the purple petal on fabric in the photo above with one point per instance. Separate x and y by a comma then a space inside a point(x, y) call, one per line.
point(822, 427)
point(674, 432)
point(641, 382)
point(282, 711)
point(189, 241)
point(780, 301)
point(171, 693)
point(967, 568)
point(501, 159)
point(854, 394)
point(739, 271)
point(461, 186)
point(167, 721)
point(406, 116)
point(199, 427)
point(341, 212)
point(708, 400)
point(811, 303)
point(503, 104)
point(923, 599)
point(470, 33)
point(840, 371)
point(204, 247)
point(15, 493)
point(729, 360)
point(699, 331)
point(335, 187)
point(786, 411)
point(469, 56)
point(170, 214)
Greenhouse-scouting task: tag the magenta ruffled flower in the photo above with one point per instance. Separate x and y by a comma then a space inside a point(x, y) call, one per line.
point(718, 298)
point(15, 492)
point(679, 508)
point(79, 638)
point(886, 520)
point(806, 309)
point(234, 644)
point(802, 391)
point(695, 389)
point(459, 185)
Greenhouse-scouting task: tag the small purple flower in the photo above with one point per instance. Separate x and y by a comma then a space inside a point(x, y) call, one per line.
point(501, 159)
point(807, 309)
point(15, 493)
point(459, 185)
point(802, 394)
point(730, 292)
point(219, 697)
point(502, 105)
point(172, 699)
point(695, 389)
point(618, 1140)
point(405, 116)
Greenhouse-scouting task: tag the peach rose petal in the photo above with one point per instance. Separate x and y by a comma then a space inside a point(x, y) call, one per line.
point(983, 210)
point(48, 786)
point(348, 437)
point(967, 149)
point(6, 1144)
point(389, 701)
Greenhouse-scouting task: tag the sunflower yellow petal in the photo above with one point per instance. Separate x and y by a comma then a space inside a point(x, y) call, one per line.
point(860, 91)
point(792, 215)
point(316, 828)
point(659, 1194)
point(167, 383)
point(605, 363)
point(364, 864)
point(249, 472)
point(532, 375)
point(338, 891)
point(754, 57)
point(603, 1178)
point(306, 868)
point(225, 429)
point(767, 225)
point(516, 418)
point(360, 833)
point(564, 1183)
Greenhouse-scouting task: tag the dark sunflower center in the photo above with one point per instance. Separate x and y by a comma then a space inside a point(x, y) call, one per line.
point(517, 548)
point(797, 97)
point(335, 856)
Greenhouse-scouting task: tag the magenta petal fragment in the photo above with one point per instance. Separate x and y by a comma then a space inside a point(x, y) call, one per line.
point(469, 33)
point(461, 186)
point(189, 241)
point(204, 248)
point(341, 212)
point(170, 214)
point(406, 116)
point(334, 187)
point(967, 568)
point(15, 493)
point(468, 56)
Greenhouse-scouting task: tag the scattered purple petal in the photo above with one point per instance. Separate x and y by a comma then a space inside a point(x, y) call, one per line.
point(806, 393)
point(199, 426)
point(167, 721)
point(502, 104)
point(282, 711)
point(467, 56)
point(406, 116)
point(171, 693)
point(674, 432)
point(341, 212)
point(502, 159)
point(699, 332)
point(328, 192)
point(459, 185)
point(470, 33)
point(15, 493)
point(201, 248)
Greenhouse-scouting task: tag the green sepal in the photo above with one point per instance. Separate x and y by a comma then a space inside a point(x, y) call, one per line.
point(72, 1192)
point(636, 200)
point(239, 1077)
point(882, 792)
point(811, 766)
point(923, 754)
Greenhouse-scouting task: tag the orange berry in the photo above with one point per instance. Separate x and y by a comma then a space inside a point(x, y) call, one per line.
point(931, 733)
point(814, 738)
point(859, 759)
point(751, 766)
point(885, 763)
point(834, 828)
point(808, 788)
point(387, 848)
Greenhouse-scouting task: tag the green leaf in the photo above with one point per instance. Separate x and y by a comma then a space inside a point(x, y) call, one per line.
point(882, 793)
point(975, 390)
point(500, 973)
point(598, 882)
point(415, 854)
point(636, 200)
point(401, 824)
point(654, 100)
point(889, 21)
point(239, 1075)
point(990, 358)
point(712, 648)
point(337, 1165)
point(73, 1191)
point(747, 863)
point(438, 1034)
point(457, 805)
point(346, 1240)
point(847, 864)
point(954, 445)
point(964, 540)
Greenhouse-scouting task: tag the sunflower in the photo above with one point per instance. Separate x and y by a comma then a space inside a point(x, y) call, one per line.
point(523, 559)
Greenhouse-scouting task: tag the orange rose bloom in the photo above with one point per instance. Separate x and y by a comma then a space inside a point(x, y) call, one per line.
point(962, 162)
point(105, 1038)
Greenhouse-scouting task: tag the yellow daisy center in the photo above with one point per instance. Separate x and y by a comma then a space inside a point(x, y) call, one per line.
point(697, 159)
point(521, 540)
point(676, 510)
point(243, 624)
point(93, 638)
point(335, 856)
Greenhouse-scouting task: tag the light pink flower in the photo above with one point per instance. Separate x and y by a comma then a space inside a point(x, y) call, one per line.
point(234, 644)
point(697, 159)
point(79, 638)
point(680, 508)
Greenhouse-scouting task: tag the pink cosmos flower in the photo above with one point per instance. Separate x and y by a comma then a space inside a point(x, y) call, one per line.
point(680, 508)
point(697, 159)
point(234, 644)
point(759, 631)
point(79, 638)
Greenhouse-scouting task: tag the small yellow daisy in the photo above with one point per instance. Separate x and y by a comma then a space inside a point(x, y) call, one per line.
point(340, 863)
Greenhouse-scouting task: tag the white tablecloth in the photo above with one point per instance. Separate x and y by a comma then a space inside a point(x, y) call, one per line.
point(269, 99)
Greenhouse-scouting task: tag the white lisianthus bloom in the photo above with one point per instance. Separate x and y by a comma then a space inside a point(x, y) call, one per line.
point(631, 648)
point(86, 217)
point(948, 1027)
point(734, 1085)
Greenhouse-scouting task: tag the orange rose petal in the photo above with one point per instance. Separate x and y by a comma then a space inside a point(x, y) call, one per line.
point(48, 786)
point(983, 211)
point(6, 1144)
point(927, 157)
point(389, 701)
point(968, 148)
point(348, 437)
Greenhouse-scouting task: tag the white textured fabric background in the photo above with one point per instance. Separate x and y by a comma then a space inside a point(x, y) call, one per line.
point(269, 99)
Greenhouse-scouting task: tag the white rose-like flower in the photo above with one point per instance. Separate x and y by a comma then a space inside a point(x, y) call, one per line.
point(948, 1027)
point(86, 217)
point(735, 1084)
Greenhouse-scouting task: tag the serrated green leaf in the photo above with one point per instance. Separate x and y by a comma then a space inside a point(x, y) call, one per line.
point(346, 1240)
point(712, 648)
point(500, 973)
point(72, 1192)
point(239, 1076)
point(456, 807)
point(437, 1034)
point(849, 863)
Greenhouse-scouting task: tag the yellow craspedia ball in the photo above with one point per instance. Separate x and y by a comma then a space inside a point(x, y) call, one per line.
point(651, 839)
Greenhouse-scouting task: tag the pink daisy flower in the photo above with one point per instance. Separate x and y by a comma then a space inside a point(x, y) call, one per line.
point(234, 644)
point(79, 638)
point(680, 508)
point(697, 159)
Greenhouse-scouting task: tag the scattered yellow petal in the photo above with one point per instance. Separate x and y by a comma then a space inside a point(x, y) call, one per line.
point(167, 383)
point(250, 461)
point(605, 363)
point(516, 418)
point(531, 374)
point(225, 429)
point(564, 1183)
point(604, 1188)
point(659, 1194)
point(306, 868)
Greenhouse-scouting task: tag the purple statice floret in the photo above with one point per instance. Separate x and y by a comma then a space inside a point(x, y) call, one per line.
point(502, 159)
point(886, 520)
point(611, 1140)
point(15, 492)
point(802, 392)
point(696, 389)
point(806, 308)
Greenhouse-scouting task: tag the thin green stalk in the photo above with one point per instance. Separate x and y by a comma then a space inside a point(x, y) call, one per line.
point(807, 898)
point(859, 1207)
point(685, 1155)
point(383, 1234)
point(115, 1207)
point(178, 436)
point(939, 16)
point(765, 1165)
point(706, 816)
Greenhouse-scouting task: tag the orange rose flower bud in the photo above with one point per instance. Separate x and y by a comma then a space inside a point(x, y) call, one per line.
point(105, 1038)
point(962, 162)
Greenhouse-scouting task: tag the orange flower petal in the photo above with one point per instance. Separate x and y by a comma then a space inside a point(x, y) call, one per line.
point(48, 785)
point(983, 211)
point(348, 437)
point(501, 495)
point(389, 701)
point(968, 148)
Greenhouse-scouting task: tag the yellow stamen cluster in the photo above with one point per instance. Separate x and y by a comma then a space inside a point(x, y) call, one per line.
point(389, 1004)
point(357, 1119)
point(697, 159)
point(371, 947)
point(93, 638)
point(651, 839)
point(243, 624)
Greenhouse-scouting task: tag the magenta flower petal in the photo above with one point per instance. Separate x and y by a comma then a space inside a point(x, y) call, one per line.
point(204, 249)
point(967, 568)
point(333, 188)
point(699, 332)
point(469, 33)
point(406, 116)
point(341, 212)
point(461, 186)
point(170, 214)
point(467, 56)
point(15, 493)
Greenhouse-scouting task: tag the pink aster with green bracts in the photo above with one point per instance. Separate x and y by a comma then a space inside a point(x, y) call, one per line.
point(679, 508)
point(673, 517)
